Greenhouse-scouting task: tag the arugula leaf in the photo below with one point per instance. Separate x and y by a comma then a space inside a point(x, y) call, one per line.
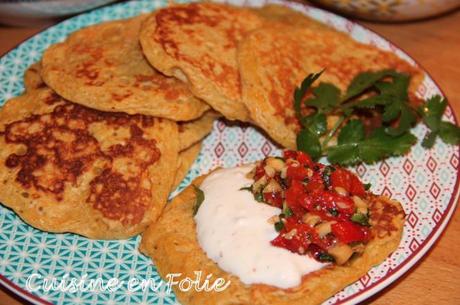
point(364, 81)
point(199, 198)
point(326, 96)
point(449, 133)
point(308, 142)
point(317, 123)
point(378, 146)
point(300, 92)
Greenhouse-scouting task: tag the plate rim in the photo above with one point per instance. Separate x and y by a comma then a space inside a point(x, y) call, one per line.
point(435, 235)
point(369, 291)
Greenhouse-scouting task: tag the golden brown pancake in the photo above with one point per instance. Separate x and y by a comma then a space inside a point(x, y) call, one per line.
point(173, 246)
point(186, 158)
point(102, 67)
point(68, 168)
point(196, 43)
point(283, 14)
point(275, 59)
point(192, 132)
point(32, 77)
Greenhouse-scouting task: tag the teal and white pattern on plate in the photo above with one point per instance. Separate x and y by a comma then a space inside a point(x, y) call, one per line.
point(424, 181)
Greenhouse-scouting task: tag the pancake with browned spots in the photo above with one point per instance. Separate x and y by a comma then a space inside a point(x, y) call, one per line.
point(275, 59)
point(173, 245)
point(69, 168)
point(185, 161)
point(192, 132)
point(197, 43)
point(102, 67)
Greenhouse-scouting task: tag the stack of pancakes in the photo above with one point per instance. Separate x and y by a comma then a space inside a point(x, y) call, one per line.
point(99, 138)
point(112, 118)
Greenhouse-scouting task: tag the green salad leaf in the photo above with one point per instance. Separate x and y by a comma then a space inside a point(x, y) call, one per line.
point(326, 97)
point(431, 113)
point(379, 94)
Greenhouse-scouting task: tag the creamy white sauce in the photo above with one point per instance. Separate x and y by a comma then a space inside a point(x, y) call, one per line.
point(234, 232)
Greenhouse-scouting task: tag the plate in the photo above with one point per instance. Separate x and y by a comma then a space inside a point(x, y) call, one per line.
point(425, 182)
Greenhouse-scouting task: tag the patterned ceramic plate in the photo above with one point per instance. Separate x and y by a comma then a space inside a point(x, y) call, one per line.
point(425, 181)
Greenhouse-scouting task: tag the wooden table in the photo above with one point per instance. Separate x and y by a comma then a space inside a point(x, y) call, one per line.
point(435, 44)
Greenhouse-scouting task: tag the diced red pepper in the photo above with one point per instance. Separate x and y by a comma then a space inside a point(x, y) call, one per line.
point(348, 232)
point(315, 184)
point(293, 193)
point(340, 178)
point(348, 181)
point(300, 240)
point(304, 159)
point(290, 154)
point(306, 201)
point(274, 199)
point(279, 241)
point(357, 188)
point(315, 194)
point(296, 172)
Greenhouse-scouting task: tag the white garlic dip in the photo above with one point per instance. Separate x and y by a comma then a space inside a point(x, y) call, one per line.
point(233, 230)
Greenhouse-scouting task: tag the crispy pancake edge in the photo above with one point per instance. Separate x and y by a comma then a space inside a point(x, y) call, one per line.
point(192, 132)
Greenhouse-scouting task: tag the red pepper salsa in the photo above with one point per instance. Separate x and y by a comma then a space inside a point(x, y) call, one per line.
point(324, 209)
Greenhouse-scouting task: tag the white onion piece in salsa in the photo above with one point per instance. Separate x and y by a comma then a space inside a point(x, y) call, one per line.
point(234, 232)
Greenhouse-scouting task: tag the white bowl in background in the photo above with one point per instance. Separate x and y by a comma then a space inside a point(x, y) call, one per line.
point(390, 10)
point(24, 12)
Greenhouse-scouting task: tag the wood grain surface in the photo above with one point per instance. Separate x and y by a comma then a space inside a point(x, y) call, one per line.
point(435, 44)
